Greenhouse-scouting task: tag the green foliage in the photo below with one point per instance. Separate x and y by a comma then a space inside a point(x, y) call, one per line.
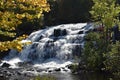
point(97, 55)
point(74, 67)
point(106, 12)
point(112, 62)
point(45, 78)
point(93, 51)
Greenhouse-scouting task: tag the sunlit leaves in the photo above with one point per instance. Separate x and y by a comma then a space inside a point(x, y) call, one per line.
point(8, 21)
point(36, 6)
point(6, 33)
point(15, 44)
point(113, 59)
point(20, 16)
point(106, 11)
point(93, 50)
point(13, 13)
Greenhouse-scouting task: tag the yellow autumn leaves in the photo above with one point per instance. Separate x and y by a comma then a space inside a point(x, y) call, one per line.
point(15, 44)
point(12, 14)
point(33, 6)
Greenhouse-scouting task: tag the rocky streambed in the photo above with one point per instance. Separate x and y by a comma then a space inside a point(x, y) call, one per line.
point(27, 71)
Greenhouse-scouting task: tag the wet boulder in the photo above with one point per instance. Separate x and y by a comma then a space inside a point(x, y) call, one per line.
point(65, 70)
point(64, 32)
point(5, 65)
point(69, 66)
point(57, 69)
point(80, 32)
point(25, 64)
point(57, 32)
point(49, 71)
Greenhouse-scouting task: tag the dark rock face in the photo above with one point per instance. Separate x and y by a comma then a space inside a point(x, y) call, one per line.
point(14, 74)
point(50, 71)
point(57, 32)
point(64, 32)
point(58, 69)
point(5, 65)
point(80, 32)
point(25, 72)
point(25, 64)
point(69, 66)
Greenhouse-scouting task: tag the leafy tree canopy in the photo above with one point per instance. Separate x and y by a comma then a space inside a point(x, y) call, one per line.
point(106, 12)
point(12, 14)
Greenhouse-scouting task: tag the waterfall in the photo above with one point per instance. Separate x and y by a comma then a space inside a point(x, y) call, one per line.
point(54, 44)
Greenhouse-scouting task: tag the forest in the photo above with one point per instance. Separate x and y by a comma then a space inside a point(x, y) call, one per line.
point(101, 52)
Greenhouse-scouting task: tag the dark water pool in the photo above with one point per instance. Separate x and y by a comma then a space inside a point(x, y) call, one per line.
point(82, 76)
point(16, 74)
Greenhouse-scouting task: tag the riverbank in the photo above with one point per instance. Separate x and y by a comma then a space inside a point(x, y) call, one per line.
point(15, 74)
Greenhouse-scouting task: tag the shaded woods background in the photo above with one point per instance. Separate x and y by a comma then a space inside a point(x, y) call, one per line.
point(68, 11)
point(62, 11)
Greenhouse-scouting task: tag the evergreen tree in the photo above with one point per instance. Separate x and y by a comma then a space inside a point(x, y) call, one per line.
point(99, 51)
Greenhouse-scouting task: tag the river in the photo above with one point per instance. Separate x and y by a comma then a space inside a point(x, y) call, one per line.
point(50, 51)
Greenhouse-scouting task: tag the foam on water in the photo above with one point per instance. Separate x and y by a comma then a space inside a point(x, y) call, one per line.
point(12, 62)
point(53, 47)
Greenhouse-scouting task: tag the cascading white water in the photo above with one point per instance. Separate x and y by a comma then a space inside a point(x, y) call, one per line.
point(53, 46)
